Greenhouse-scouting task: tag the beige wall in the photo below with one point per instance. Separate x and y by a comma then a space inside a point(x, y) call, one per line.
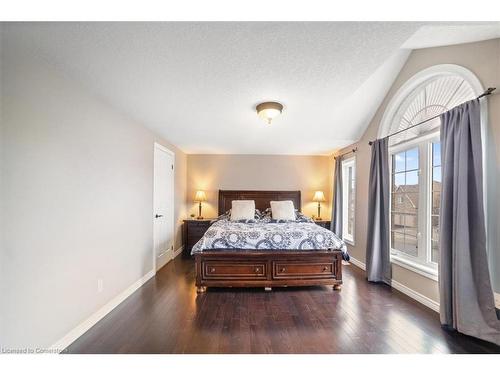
point(483, 59)
point(259, 172)
point(77, 201)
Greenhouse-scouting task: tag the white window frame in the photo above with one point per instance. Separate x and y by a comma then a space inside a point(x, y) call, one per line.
point(347, 163)
point(421, 264)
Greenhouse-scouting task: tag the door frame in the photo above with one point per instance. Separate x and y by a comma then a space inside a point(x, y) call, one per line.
point(158, 146)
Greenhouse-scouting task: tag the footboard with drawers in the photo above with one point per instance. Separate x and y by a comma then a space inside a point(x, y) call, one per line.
point(240, 268)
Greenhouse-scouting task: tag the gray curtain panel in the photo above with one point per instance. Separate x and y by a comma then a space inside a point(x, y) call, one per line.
point(378, 261)
point(466, 297)
point(336, 223)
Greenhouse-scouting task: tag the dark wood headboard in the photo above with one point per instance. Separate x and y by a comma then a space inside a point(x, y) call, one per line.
point(261, 198)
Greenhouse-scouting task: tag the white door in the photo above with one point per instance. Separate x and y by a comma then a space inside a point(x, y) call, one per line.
point(163, 212)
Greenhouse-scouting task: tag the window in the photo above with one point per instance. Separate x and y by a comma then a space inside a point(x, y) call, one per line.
point(415, 198)
point(415, 161)
point(348, 199)
point(405, 198)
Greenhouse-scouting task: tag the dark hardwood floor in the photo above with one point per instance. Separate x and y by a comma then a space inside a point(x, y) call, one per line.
point(167, 316)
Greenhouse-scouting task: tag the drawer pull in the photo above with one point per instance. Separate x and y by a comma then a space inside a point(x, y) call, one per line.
point(257, 270)
point(325, 268)
point(212, 270)
point(283, 270)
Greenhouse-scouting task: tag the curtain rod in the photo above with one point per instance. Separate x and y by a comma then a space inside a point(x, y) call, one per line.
point(488, 91)
point(347, 153)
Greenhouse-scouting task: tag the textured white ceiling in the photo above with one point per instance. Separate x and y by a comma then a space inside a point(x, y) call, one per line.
point(197, 84)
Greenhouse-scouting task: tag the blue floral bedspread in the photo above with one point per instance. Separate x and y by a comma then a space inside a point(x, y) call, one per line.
point(265, 235)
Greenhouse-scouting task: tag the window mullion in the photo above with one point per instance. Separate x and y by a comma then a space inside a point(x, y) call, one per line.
point(349, 193)
point(422, 206)
point(345, 203)
point(426, 201)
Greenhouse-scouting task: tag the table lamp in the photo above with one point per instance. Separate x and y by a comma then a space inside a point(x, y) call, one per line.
point(319, 197)
point(200, 197)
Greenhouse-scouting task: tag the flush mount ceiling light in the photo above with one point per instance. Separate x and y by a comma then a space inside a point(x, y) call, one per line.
point(269, 110)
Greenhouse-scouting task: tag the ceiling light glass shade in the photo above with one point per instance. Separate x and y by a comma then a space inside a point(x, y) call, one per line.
point(319, 197)
point(200, 196)
point(269, 110)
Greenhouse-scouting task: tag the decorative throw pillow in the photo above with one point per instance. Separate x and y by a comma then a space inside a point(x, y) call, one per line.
point(227, 217)
point(242, 210)
point(266, 212)
point(282, 210)
point(301, 218)
point(258, 215)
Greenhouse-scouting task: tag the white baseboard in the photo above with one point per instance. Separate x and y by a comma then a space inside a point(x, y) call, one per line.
point(497, 300)
point(416, 295)
point(162, 260)
point(178, 251)
point(358, 263)
point(83, 327)
point(404, 289)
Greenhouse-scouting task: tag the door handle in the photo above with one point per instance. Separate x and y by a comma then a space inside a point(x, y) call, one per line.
point(157, 216)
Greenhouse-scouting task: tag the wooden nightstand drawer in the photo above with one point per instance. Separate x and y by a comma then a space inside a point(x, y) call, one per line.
point(323, 223)
point(197, 230)
point(191, 241)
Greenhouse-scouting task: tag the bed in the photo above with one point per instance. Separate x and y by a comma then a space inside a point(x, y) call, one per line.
point(232, 254)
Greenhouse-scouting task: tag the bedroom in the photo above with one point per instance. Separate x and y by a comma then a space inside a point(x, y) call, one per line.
point(250, 187)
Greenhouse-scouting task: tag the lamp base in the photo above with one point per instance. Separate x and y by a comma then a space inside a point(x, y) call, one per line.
point(199, 212)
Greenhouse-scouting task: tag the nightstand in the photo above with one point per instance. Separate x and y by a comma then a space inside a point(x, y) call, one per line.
point(323, 223)
point(193, 230)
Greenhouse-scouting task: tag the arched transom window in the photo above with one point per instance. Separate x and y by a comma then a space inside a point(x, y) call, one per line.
point(430, 99)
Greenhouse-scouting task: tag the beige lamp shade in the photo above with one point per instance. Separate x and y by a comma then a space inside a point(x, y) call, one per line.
point(319, 197)
point(200, 196)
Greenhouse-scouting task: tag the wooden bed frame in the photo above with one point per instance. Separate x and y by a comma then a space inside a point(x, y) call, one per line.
point(278, 268)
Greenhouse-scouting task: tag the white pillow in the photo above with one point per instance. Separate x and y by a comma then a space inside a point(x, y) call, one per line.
point(242, 210)
point(282, 210)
